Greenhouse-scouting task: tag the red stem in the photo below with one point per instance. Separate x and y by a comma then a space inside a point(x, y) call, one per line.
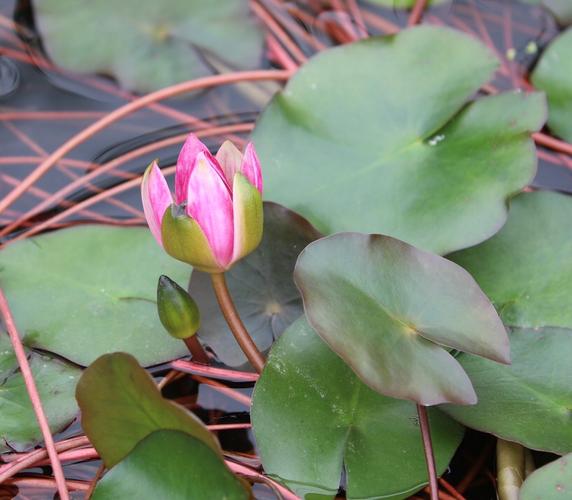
point(552, 143)
point(417, 12)
point(235, 324)
point(223, 389)
point(94, 481)
point(428, 449)
point(210, 371)
point(196, 349)
point(254, 475)
point(34, 396)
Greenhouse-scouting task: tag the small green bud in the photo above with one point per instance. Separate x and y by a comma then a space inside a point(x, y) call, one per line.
point(178, 312)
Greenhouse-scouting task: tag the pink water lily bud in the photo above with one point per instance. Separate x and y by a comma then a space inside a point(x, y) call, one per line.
point(216, 215)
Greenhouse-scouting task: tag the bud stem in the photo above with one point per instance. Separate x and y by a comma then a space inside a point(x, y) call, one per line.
point(235, 323)
point(428, 449)
point(196, 349)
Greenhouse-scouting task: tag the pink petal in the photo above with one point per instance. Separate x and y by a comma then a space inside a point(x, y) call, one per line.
point(156, 199)
point(185, 163)
point(209, 202)
point(230, 160)
point(251, 167)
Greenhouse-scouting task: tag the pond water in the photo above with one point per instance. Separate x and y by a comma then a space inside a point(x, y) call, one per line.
point(42, 107)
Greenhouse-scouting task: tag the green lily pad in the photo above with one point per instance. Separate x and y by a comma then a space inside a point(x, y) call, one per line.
point(387, 308)
point(89, 290)
point(553, 74)
point(561, 9)
point(313, 419)
point(529, 402)
point(120, 405)
point(551, 482)
point(526, 269)
point(56, 382)
point(261, 286)
point(373, 137)
point(145, 44)
point(170, 464)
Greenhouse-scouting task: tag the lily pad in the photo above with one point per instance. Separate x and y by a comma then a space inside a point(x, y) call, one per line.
point(561, 9)
point(526, 269)
point(374, 137)
point(170, 464)
point(387, 308)
point(313, 419)
point(56, 382)
point(89, 290)
point(553, 74)
point(120, 405)
point(551, 482)
point(529, 402)
point(145, 44)
point(261, 286)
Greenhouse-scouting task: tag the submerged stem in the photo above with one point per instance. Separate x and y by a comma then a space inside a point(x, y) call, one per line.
point(235, 323)
point(197, 351)
point(428, 448)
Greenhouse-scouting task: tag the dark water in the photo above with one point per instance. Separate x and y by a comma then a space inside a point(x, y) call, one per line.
point(518, 32)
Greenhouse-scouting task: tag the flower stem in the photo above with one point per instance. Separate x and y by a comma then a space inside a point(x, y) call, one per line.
point(196, 349)
point(235, 323)
point(511, 462)
point(428, 448)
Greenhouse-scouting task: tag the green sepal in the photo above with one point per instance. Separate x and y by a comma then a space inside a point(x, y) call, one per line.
point(248, 217)
point(184, 240)
point(178, 312)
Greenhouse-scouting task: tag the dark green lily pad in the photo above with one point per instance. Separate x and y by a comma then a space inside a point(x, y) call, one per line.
point(551, 482)
point(313, 418)
point(373, 137)
point(120, 405)
point(89, 290)
point(261, 286)
point(526, 269)
point(553, 74)
point(146, 44)
point(170, 464)
point(387, 309)
point(529, 402)
point(56, 382)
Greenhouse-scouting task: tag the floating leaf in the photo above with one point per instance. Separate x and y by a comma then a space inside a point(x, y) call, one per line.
point(526, 269)
point(313, 418)
point(170, 464)
point(551, 482)
point(553, 74)
point(56, 382)
point(387, 308)
point(261, 286)
point(88, 290)
point(529, 402)
point(120, 405)
point(145, 44)
point(561, 9)
point(373, 137)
